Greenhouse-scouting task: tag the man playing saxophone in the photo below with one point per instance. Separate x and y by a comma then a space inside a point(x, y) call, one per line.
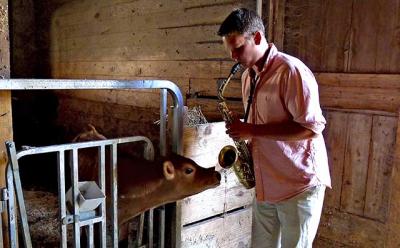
point(283, 128)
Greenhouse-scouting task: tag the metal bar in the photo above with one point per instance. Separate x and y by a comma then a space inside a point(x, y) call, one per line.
point(102, 183)
point(163, 152)
point(151, 227)
point(140, 231)
point(11, 208)
point(90, 236)
point(12, 155)
point(90, 221)
point(114, 194)
point(61, 197)
point(163, 121)
point(177, 129)
point(81, 84)
point(80, 145)
point(75, 195)
point(161, 237)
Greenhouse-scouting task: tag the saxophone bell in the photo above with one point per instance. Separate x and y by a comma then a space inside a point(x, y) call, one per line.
point(227, 157)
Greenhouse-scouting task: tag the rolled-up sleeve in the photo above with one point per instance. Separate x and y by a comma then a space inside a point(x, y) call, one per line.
point(302, 98)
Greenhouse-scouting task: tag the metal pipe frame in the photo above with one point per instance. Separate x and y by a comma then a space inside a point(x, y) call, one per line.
point(72, 84)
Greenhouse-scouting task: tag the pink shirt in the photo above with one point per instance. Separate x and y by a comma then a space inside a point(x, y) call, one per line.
point(287, 90)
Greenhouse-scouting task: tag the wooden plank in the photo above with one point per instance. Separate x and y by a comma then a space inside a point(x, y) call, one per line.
point(87, 10)
point(210, 109)
point(380, 167)
point(387, 22)
point(202, 144)
point(365, 29)
point(199, 42)
point(219, 69)
point(335, 37)
point(226, 197)
point(393, 223)
point(177, 17)
point(360, 91)
point(310, 30)
point(395, 46)
point(135, 69)
point(356, 163)
point(351, 230)
point(360, 98)
point(231, 230)
point(201, 50)
point(335, 135)
point(140, 36)
point(389, 81)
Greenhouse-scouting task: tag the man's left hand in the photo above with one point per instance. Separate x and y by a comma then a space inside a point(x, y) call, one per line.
point(239, 130)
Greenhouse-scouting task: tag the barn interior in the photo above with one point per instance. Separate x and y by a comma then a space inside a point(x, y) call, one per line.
point(353, 48)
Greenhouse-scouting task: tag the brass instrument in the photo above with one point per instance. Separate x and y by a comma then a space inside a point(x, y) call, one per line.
point(239, 157)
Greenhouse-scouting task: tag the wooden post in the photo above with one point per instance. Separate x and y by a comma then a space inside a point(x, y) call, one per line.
point(5, 99)
point(393, 223)
point(276, 22)
point(5, 96)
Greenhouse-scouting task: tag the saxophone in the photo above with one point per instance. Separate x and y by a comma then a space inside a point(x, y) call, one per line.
point(238, 157)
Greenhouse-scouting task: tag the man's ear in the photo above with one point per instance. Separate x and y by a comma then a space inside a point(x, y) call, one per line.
point(257, 37)
point(169, 170)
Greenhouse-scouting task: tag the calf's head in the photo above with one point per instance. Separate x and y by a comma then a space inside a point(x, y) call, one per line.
point(187, 176)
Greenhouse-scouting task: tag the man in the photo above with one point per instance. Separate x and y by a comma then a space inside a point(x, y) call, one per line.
point(284, 132)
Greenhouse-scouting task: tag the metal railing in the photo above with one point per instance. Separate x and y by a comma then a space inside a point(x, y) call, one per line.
point(77, 218)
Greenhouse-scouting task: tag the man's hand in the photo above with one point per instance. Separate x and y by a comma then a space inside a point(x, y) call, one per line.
point(239, 130)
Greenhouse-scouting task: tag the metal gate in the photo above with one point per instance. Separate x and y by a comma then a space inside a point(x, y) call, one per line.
point(13, 193)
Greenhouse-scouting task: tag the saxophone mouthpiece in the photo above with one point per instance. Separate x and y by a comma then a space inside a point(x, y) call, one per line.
point(235, 68)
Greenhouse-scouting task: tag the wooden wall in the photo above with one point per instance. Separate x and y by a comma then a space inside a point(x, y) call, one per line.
point(353, 46)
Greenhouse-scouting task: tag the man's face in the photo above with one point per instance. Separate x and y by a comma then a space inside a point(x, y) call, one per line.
point(242, 48)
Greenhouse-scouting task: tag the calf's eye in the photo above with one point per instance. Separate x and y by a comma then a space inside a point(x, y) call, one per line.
point(188, 170)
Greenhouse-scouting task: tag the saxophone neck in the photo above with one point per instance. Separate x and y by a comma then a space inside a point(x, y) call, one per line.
point(224, 83)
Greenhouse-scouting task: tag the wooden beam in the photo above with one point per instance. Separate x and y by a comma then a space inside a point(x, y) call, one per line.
point(5, 102)
point(276, 23)
point(360, 91)
point(5, 96)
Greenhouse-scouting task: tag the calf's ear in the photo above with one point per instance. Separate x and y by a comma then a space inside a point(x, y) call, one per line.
point(169, 170)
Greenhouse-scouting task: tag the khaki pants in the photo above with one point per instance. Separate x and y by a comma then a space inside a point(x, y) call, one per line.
point(289, 224)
